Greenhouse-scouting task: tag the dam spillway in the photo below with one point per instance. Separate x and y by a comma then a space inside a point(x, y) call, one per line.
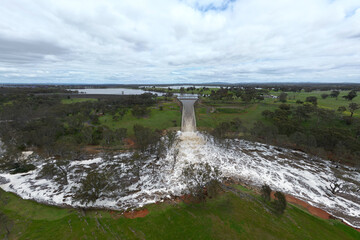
point(188, 122)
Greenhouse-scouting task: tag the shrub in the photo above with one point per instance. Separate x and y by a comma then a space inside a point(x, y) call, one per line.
point(265, 192)
point(22, 168)
point(279, 203)
point(140, 111)
point(213, 188)
point(197, 177)
point(283, 97)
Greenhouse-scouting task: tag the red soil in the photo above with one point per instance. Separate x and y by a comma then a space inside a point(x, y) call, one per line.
point(92, 149)
point(129, 142)
point(136, 214)
point(311, 209)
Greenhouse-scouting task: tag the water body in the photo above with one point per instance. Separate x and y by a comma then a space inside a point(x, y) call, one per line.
point(127, 91)
point(185, 86)
point(114, 91)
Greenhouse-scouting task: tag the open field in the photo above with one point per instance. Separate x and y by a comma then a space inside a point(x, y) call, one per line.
point(78, 100)
point(247, 113)
point(210, 113)
point(168, 117)
point(225, 217)
point(328, 103)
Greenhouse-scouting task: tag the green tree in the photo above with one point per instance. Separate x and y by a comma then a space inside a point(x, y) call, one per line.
point(353, 107)
point(140, 111)
point(283, 97)
point(324, 95)
point(265, 192)
point(145, 138)
point(94, 186)
point(341, 109)
point(351, 95)
point(334, 94)
point(312, 99)
point(267, 114)
point(279, 202)
point(197, 177)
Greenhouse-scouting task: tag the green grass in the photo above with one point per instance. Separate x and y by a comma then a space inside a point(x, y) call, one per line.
point(210, 113)
point(226, 217)
point(78, 100)
point(328, 103)
point(158, 119)
point(247, 113)
point(8, 103)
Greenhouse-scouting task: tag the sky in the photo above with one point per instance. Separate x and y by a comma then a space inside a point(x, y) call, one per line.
point(179, 41)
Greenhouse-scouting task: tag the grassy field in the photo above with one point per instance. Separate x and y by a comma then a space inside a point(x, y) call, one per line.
point(328, 103)
point(158, 119)
point(77, 100)
point(210, 117)
point(226, 217)
point(210, 113)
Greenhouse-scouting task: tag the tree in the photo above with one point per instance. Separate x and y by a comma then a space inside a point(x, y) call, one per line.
point(57, 170)
point(303, 112)
point(236, 124)
point(175, 156)
point(122, 112)
point(94, 186)
point(267, 114)
point(283, 97)
point(324, 95)
point(285, 107)
point(140, 111)
point(341, 109)
point(334, 94)
point(352, 94)
point(221, 130)
point(145, 137)
point(265, 192)
point(197, 177)
point(353, 107)
point(171, 137)
point(312, 99)
point(260, 98)
point(334, 186)
point(279, 202)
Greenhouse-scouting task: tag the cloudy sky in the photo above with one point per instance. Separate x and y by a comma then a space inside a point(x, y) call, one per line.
point(179, 41)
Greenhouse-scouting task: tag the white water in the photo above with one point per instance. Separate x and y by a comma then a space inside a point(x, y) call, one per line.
point(289, 171)
point(188, 123)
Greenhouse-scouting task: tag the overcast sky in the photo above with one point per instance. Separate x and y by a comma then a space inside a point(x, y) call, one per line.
point(179, 41)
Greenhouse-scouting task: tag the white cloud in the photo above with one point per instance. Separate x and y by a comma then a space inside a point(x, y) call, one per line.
point(179, 40)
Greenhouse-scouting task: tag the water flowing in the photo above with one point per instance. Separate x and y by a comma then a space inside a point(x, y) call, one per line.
point(188, 123)
point(289, 171)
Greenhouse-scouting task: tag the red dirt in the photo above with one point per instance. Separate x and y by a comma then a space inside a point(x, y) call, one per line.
point(92, 149)
point(129, 142)
point(311, 209)
point(136, 214)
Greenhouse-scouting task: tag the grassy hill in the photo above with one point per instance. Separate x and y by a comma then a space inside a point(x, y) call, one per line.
point(226, 217)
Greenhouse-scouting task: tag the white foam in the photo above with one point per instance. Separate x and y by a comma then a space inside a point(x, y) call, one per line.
point(285, 170)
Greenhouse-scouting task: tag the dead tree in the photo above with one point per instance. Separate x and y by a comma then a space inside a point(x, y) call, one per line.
point(334, 186)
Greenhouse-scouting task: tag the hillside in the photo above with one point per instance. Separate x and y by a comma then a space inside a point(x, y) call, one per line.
point(228, 216)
